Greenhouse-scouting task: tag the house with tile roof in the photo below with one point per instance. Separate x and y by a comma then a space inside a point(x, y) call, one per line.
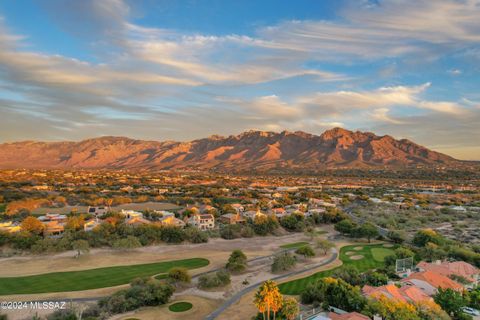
point(202, 221)
point(429, 282)
point(455, 268)
point(409, 294)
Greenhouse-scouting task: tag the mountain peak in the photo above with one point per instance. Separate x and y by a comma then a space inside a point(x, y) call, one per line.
point(250, 150)
point(336, 132)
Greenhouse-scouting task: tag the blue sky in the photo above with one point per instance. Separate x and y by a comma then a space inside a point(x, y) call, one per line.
point(182, 70)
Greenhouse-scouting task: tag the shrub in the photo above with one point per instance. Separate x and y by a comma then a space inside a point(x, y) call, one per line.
point(196, 236)
point(231, 231)
point(142, 292)
point(212, 280)
point(305, 251)
point(179, 275)
point(334, 292)
point(127, 243)
point(237, 262)
point(173, 235)
point(283, 262)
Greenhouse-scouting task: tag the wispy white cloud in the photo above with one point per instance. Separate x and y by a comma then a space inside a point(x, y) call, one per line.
point(155, 80)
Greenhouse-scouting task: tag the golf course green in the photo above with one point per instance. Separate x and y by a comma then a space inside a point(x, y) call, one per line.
point(362, 256)
point(91, 278)
point(180, 306)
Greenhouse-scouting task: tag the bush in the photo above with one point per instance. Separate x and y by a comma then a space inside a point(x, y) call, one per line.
point(196, 236)
point(127, 243)
point(334, 292)
point(247, 232)
point(177, 274)
point(293, 222)
point(237, 262)
point(305, 251)
point(283, 262)
point(231, 231)
point(173, 235)
point(212, 280)
point(349, 274)
point(142, 292)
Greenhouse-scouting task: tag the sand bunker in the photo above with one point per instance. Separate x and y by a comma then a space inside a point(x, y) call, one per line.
point(349, 253)
point(388, 245)
point(357, 257)
point(358, 248)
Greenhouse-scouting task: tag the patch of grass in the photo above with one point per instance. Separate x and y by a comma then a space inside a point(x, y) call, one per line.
point(294, 245)
point(161, 276)
point(379, 254)
point(295, 287)
point(92, 278)
point(3, 206)
point(180, 306)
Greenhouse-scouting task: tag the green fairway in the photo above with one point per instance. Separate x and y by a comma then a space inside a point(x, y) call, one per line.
point(294, 245)
point(180, 306)
point(379, 254)
point(92, 278)
point(368, 262)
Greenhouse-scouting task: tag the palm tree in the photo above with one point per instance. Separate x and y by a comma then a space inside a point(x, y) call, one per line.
point(260, 303)
point(269, 298)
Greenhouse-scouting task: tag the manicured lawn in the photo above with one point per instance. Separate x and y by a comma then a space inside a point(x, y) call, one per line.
point(161, 276)
point(368, 262)
point(294, 245)
point(379, 254)
point(92, 278)
point(180, 306)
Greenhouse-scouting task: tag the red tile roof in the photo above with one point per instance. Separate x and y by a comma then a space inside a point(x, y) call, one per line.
point(436, 280)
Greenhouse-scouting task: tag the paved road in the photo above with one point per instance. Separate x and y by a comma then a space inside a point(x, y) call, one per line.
point(244, 291)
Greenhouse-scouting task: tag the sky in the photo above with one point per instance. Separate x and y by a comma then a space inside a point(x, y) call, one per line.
point(187, 69)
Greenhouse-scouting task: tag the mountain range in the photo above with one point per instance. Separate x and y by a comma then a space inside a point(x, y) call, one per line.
point(251, 150)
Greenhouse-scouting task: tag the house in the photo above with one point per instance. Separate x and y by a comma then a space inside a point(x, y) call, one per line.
point(458, 208)
point(164, 213)
point(129, 214)
point(238, 207)
point(455, 268)
point(90, 225)
point(254, 214)
point(279, 212)
point(409, 294)
point(232, 218)
point(53, 229)
point(60, 218)
point(171, 221)
point(97, 211)
point(207, 208)
point(429, 282)
point(320, 203)
point(9, 227)
point(137, 221)
point(202, 221)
